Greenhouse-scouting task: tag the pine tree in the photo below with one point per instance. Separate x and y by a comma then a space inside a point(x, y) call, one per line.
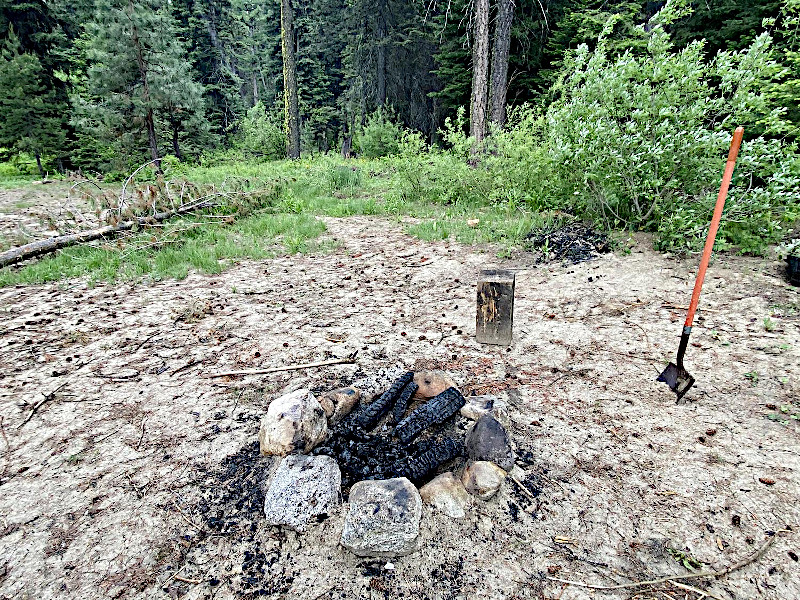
point(138, 81)
point(290, 100)
point(32, 116)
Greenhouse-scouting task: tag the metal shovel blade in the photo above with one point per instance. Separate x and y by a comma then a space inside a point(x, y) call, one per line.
point(677, 378)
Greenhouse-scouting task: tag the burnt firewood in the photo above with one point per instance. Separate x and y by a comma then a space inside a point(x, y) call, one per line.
point(437, 410)
point(421, 464)
point(369, 416)
point(401, 404)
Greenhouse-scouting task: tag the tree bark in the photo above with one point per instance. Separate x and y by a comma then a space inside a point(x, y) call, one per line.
point(148, 117)
point(381, 53)
point(39, 163)
point(175, 146)
point(500, 50)
point(292, 118)
point(253, 64)
point(480, 71)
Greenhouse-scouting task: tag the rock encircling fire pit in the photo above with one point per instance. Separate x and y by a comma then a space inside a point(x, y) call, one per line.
point(376, 454)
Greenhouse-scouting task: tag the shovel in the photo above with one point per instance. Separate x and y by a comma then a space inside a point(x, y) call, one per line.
point(675, 375)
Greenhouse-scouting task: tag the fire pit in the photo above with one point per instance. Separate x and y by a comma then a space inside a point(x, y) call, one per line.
point(376, 455)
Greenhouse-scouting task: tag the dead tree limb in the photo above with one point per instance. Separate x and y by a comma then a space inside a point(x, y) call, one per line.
point(338, 361)
point(673, 578)
point(47, 397)
point(34, 249)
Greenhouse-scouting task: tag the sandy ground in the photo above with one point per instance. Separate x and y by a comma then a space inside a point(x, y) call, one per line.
point(113, 485)
point(42, 210)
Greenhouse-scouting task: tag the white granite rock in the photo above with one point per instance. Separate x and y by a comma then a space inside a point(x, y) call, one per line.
point(383, 518)
point(302, 488)
point(294, 422)
point(483, 478)
point(446, 492)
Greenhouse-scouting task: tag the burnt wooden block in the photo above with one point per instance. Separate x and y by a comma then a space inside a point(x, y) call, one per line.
point(495, 318)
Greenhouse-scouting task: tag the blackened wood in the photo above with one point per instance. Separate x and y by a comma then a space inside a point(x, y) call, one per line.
point(436, 410)
point(368, 417)
point(418, 466)
point(401, 404)
point(495, 307)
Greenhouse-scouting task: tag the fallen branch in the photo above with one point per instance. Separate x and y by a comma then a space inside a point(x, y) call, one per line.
point(34, 249)
point(191, 363)
point(338, 361)
point(676, 307)
point(47, 397)
point(672, 578)
point(524, 490)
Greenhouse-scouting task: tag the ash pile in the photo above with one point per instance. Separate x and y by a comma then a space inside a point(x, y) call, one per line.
point(418, 440)
point(574, 242)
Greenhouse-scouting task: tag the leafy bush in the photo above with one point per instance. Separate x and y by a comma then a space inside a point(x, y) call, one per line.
point(641, 141)
point(380, 136)
point(261, 134)
point(9, 170)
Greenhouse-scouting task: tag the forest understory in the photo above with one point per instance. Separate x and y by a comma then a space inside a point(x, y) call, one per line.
point(120, 455)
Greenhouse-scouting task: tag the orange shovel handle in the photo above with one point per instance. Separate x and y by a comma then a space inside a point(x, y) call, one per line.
point(736, 142)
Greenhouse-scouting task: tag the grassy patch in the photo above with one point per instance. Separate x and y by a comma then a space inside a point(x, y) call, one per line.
point(471, 224)
point(786, 413)
point(184, 245)
point(284, 221)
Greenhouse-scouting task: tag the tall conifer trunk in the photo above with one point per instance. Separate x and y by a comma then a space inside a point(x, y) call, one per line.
point(500, 50)
point(480, 71)
point(175, 146)
point(292, 119)
point(381, 53)
point(39, 163)
point(148, 117)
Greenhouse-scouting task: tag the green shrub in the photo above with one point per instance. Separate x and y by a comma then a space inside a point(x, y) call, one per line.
point(380, 136)
point(261, 134)
point(641, 141)
point(9, 170)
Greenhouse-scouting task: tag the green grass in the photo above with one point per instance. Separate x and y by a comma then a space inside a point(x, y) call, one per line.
point(176, 251)
point(286, 223)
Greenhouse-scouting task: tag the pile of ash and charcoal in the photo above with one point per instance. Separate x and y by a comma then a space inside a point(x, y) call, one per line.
point(574, 242)
point(384, 439)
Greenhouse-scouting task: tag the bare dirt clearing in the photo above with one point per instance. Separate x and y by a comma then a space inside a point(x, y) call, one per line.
point(39, 210)
point(111, 488)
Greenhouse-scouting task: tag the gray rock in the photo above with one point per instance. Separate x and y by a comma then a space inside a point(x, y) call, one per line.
point(294, 422)
point(338, 403)
point(483, 479)
point(477, 406)
point(489, 440)
point(383, 518)
point(446, 492)
point(303, 487)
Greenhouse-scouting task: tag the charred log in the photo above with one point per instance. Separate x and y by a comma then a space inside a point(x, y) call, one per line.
point(426, 461)
point(369, 416)
point(401, 404)
point(436, 410)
